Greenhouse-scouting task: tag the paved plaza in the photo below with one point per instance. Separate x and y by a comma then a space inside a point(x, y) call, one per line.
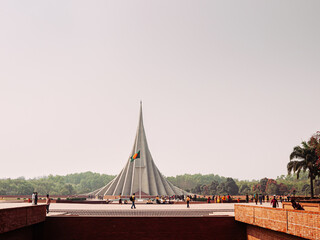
point(142, 210)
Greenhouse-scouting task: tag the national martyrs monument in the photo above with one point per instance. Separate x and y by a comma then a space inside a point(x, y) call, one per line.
point(140, 175)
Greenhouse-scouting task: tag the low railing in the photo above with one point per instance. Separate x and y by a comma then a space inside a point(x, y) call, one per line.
point(300, 223)
point(313, 207)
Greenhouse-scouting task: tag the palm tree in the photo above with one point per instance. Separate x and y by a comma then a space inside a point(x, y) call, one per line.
point(304, 158)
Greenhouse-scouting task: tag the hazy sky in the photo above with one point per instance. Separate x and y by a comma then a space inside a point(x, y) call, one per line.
point(228, 87)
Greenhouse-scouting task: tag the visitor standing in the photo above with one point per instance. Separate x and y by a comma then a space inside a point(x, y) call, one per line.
point(120, 200)
point(133, 199)
point(260, 199)
point(48, 201)
point(247, 198)
point(36, 198)
point(33, 197)
point(188, 202)
point(274, 202)
point(256, 198)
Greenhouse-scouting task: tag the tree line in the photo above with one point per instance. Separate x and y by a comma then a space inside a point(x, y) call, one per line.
point(215, 185)
point(209, 184)
point(71, 184)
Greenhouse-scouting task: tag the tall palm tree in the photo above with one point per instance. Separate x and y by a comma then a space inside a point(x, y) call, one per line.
point(304, 158)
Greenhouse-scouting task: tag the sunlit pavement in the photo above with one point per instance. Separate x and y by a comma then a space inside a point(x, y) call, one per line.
point(206, 209)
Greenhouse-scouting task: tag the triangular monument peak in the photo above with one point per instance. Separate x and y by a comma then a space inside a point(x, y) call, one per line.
point(140, 175)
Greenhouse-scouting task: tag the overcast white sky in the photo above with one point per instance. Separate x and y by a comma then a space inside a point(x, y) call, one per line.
point(228, 87)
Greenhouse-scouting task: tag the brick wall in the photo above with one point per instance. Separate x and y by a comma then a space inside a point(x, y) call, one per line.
point(257, 233)
point(143, 228)
point(32, 232)
point(304, 224)
point(14, 218)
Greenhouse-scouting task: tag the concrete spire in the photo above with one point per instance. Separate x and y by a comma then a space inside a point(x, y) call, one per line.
point(140, 176)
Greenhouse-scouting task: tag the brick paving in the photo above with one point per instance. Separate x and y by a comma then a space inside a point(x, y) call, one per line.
point(146, 213)
point(142, 210)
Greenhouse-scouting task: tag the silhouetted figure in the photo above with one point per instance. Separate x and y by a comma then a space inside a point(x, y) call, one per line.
point(296, 205)
point(120, 200)
point(36, 198)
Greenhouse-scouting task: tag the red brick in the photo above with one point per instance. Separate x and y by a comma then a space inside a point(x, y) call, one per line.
point(14, 218)
point(299, 223)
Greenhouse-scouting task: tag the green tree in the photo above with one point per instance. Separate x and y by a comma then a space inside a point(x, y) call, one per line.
point(263, 184)
point(244, 189)
point(213, 187)
point(231, 187)
point(304, 158)
point(272, 188)
point(283, 189)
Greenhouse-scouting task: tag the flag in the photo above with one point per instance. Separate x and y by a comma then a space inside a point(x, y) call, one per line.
point(135, 156)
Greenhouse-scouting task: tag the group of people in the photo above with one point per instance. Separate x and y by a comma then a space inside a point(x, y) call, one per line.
point(34, 198)
point(274, 201)
point(262, 198)
point(220, 199)
point(133, 200)
point(217, 199)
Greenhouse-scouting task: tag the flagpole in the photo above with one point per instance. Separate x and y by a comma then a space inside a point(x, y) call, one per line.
point(140, 179)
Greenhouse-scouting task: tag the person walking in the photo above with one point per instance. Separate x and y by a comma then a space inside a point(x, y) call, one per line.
point(274, 202)
point(48, 201)
point(188, 201)
point(133, 199)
